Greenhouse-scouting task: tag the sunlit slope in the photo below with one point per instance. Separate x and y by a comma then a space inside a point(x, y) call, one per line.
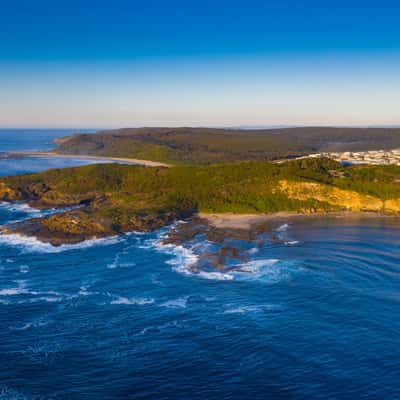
point(209, 145)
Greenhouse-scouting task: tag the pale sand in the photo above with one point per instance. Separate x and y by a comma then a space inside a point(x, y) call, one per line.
point(249, 221)
point(242, 221)
point(135, 161)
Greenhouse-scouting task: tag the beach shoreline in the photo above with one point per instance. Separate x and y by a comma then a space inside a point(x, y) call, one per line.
point(53, 154)
point(246, 222)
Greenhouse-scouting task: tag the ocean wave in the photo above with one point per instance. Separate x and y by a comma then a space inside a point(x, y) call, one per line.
point(291, 242)
point(269, 271)
point(181, 302)
point(46, 299)
point(117, 264)
point(253, 309)
point(28, 325)
point(216, 276)
point(30, 244)
point(18, 290)
point(7, 393)
point(30, 212)
point(24, 269)
point(160, 328)
point(132, 301)
point(19, 207)
point(282, 228)
point(256, 266)
point(29, 295)
point(184, 258)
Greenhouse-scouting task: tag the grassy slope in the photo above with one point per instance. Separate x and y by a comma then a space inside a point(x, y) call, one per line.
point(237, 187)
point(208, 145)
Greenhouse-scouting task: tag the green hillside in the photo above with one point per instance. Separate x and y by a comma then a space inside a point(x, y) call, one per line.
point(119, 198)
point(209, 145)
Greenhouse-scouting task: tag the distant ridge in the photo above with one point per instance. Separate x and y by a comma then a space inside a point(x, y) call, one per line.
point(187, 145)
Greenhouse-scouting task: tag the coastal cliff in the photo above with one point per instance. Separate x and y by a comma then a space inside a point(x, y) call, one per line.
point(105, 200)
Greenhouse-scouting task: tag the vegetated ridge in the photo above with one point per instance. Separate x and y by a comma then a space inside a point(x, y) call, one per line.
point(114, 198)
point(201, 146)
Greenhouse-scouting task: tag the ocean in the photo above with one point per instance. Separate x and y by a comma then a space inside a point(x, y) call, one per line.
point(125, 318)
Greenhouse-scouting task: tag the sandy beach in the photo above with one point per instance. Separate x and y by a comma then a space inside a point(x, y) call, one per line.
point(249, 221)
point(133, 161)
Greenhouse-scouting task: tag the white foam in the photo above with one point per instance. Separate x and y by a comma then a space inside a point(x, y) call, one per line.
point(47, 299)
point(184, 258)
point(84, 292)
point(14, 291)
point(159, 328)
point(46, 296)
point(291, 242)
point(282, 228)
point(24, 269)
point(132, 301)
point(256, 266)
point(265, 270)
point(216, 276)
point(252, 309)
point(185, 261)
point(19, 207)
point(34, 324)
point(253, 250)
point(176, 303)
point(32, 245)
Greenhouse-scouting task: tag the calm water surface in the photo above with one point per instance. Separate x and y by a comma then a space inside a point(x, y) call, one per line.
point(122, 318)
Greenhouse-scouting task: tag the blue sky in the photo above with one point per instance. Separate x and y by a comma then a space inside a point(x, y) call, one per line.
point(217, 63)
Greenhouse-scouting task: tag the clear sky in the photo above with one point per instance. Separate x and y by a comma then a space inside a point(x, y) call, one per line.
point(116, 63)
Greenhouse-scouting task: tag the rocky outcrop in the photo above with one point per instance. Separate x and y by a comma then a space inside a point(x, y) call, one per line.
point(89, 223)
point(8, 194)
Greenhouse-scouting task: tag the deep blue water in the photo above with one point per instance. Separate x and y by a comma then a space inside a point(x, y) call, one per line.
point(123, 318)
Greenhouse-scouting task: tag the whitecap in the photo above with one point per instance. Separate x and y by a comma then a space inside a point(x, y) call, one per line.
point(256, 266)
point(28, 325)
point(282, 228)
point(176, 303)
point(83, 291)
point(184, 258)
point(252, 309)
point(217, 276)
point(132, 301)
point(46, 299)
point(19, 207)
point(14, 291)
point(30, 244)
point(159, 328)
point(264, 270)
point(24, 269)
point(253, 250)
point(291, 242)
point(117, 263)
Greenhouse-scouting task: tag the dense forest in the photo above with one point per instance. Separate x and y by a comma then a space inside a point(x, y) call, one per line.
point(196, 146)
